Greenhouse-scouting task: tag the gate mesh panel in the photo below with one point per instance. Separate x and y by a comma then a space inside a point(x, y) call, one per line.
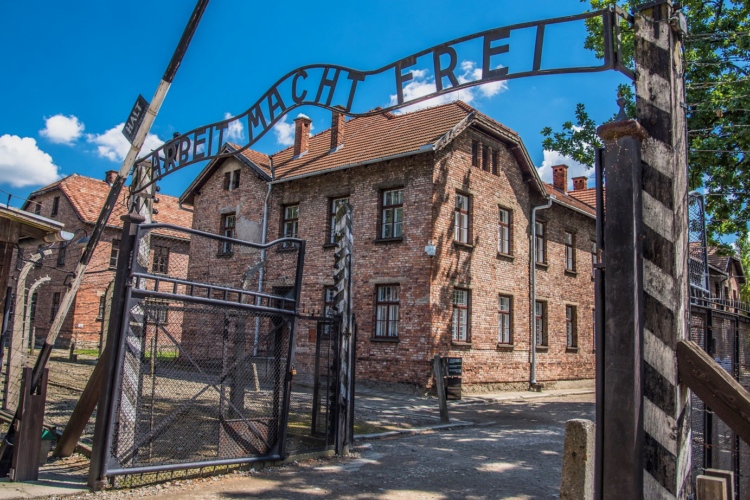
point(205, 352)
point(697, 415)
point(194, 385)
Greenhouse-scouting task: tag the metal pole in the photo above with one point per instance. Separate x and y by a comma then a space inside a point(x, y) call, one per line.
point(599, 319)
point(114, 194)
point(532, 265)
point(102, 437)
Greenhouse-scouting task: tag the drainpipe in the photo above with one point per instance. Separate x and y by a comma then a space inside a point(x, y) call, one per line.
point(532, 265)
point(261, 271)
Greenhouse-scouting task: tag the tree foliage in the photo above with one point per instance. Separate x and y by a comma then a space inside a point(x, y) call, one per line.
point(717, 83)
point(743, 250)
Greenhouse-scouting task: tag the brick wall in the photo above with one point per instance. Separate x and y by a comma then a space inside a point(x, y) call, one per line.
point(84, 323)
point(430, 182)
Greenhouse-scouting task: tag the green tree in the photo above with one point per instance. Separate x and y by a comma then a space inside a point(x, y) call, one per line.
point(717, 83)
point(743, 250)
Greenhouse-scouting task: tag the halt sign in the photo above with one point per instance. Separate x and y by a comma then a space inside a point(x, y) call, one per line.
point(133, 123)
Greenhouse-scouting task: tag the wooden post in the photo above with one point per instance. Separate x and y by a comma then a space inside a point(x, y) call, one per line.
point(437, 365)
point(622, 434)
point(28, 435)
point(82, 412)
point(660, 107)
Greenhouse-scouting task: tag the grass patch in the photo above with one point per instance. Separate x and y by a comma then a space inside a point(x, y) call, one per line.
point(164, 355)
point(87, 352)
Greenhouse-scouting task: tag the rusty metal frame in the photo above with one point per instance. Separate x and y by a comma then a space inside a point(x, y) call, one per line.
point(199, 144)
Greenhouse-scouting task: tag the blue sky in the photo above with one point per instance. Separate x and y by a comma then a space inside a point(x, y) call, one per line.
point(72, 71)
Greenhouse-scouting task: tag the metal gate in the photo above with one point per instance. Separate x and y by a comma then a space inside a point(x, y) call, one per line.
point(722, 328)
point(204, 353)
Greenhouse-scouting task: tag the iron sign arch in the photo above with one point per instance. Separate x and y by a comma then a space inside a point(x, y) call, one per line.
point(292, 90)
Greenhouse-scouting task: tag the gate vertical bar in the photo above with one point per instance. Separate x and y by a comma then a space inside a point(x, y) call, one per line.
point(659, 103)
point(622, 411)
point(599, 319)
point(100, 448)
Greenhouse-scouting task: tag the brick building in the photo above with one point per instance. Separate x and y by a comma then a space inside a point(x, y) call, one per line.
point(448, 177)
point(76, 201)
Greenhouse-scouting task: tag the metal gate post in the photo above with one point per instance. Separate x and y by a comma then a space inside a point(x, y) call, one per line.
point(103, 426)
point(622, 418)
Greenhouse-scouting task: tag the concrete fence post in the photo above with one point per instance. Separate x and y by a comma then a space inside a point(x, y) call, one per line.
point(577, 481)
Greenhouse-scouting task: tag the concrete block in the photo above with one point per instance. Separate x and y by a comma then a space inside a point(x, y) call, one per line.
point(577, 481)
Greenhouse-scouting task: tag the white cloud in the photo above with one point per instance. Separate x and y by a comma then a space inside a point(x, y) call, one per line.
point(284, 131)
point(114, 146)
point(23, 164)
point(235, 132)
point(62, 129)
point(575, 169)
point(423, 83)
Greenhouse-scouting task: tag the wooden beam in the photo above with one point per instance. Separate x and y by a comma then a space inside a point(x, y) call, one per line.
point(715, 386)
point(85, 406)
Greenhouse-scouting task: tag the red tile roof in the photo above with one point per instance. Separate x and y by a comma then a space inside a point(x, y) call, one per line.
point(87, 195)
point(588, 196)
point(570, 201)
point(372, 138)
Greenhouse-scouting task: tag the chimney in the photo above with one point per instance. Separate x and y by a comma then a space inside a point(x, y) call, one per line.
point(110, 176)
point(301, 134)
point(560, 177)
point(580, 183)
point(337, 129)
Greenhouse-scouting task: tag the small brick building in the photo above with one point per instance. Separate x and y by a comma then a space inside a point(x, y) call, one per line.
point(76, 201)
point(446, 177)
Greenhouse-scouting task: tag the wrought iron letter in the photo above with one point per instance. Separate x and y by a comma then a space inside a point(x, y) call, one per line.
point(447, 72)
point(198, 141)
point(272, 106)
point(488, 51)
point(298, 98)
point(403, 77)
point(327, 82)
point(355, 77)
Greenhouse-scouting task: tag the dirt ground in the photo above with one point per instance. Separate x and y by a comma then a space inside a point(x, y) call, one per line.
point(513, 451)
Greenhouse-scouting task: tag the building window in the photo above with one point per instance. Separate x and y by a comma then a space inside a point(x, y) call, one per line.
point(485, 158)
point(32, 306)
point(55, 206)
point(114, 253)
point(504, 332)
point(392, 214)
point(504, 231)
point(594, 258)
point(570, 251)
point(231, 180)
point(329, 308)
point(494, 162)
point(571, 326)
point(61, 254)
point(387, 311)
point(461, 302)
point(540, 319)
point(474, 153)
point(462, 218)
point(334, 205)
point(37, 207)
point(55, 306)
point(161, 260)
point(541, 242)
point(102, 305)
point(228, 227)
